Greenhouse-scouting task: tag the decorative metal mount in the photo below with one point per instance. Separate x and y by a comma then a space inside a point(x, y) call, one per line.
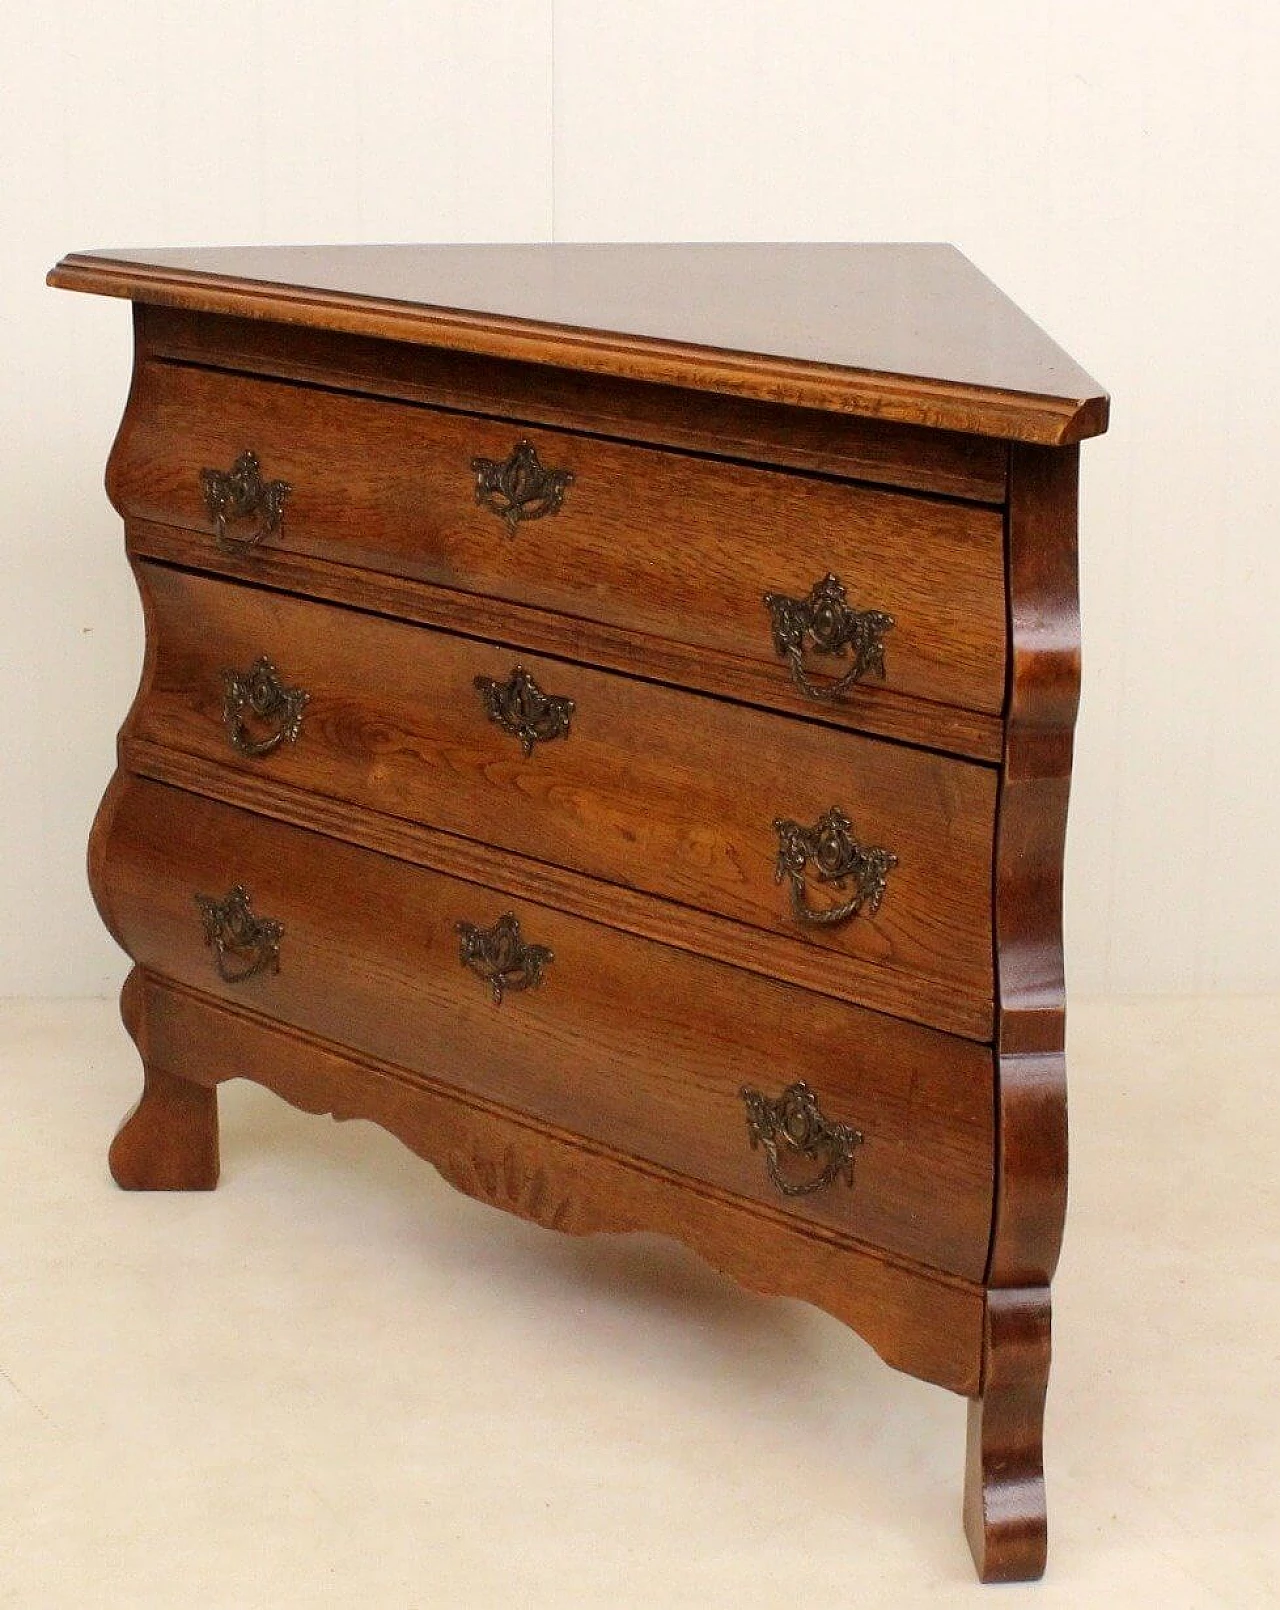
point(519, 487)
point(794, 1121)
point(242, 943)
point(261, 694)
point(240, 493)
point(825, 622)
point(501, 957)
point(837, 858)
point(520, 707)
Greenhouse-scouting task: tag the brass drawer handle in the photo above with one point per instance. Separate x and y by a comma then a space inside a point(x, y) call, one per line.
point(793, 1120)
point(519, 487)
point(232, 931)
point(825, 622)
point(240, 493)
point(837, 858)
point(261, 694)
point(501, 957)
point(520, 707)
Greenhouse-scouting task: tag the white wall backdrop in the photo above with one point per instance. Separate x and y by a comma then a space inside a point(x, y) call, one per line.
point(1113, 171)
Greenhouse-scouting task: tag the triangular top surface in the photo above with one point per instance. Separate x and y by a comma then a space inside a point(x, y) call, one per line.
point(908, 332)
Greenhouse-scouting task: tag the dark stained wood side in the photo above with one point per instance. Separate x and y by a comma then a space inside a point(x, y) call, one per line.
point(676, 547)
point(912, 333)
point(1030, 842)
point(625, 1042)
point(1004, 1498)
point(973, 467)
point(926, 1324)
point(655, 790)
point(1005, 1515)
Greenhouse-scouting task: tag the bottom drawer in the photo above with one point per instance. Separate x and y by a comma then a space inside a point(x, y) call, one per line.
point(617, 1039)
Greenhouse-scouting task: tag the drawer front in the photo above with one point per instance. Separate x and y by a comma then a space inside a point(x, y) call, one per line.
point(623, 1041)
point(666, 792)
point(653, 542)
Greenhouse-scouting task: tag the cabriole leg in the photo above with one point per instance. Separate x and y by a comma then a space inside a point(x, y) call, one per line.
point(169, 1142)
point(1004, 1503)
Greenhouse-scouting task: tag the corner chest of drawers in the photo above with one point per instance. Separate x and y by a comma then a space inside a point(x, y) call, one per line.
point(606, 717)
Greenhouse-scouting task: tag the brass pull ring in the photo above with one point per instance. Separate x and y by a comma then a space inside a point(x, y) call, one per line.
point(519, 487)
point(500, 956)
point(794, 1122)
point(825, 622)
point(837, 859)
point(232, 931)
point(520, 707)
point(240, 493)
point(260, 693)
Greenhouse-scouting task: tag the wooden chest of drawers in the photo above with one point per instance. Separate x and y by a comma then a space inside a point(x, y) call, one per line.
point(607, 718)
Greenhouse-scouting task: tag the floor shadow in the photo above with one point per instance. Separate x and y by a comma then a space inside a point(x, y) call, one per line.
point(646, 1297)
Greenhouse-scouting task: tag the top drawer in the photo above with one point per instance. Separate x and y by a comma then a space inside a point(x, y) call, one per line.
point(649, 541)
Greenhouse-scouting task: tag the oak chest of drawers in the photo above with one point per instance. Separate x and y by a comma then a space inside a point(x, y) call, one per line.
point(607, 718)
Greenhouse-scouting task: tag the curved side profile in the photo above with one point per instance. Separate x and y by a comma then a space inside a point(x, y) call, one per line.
point(1004, 1508)
point(169, 1140)
point(353, 907)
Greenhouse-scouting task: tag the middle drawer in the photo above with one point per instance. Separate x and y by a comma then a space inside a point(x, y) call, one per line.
point(780, 824)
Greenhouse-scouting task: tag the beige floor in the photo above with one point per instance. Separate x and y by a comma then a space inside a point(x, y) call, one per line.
point(335, 1382)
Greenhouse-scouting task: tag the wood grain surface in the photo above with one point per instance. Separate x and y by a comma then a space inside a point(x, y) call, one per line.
point(679, 547)
point(701, 933)
point(912, 333)
point(973, 467)
point(1005, 1514)
point(652, 789)
point(625, 1042)
point(865, 707)
point(169, 1139)
point(736, 420)
point(1004, 1496)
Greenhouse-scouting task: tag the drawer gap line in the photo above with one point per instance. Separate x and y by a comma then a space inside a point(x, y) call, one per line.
point(193, 774)
point(158, 554)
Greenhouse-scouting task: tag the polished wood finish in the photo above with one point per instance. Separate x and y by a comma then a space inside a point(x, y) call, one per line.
point(913, 334)
point(1030, 843)
point(866, 706)
point(651, 789)
point(1004, 1506)
point(380, 972)
point(672, 546)
point(1005, 1516)
point(169, 1141)
point(701, 933)
point(737, 420)
point(925, 460)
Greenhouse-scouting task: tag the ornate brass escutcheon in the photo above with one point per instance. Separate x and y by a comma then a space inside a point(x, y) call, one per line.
point(794, 1123)
point(825, 622)
point(519, 487)
point(261, 694)
point(837, 859)
point(242, 943)
point(500, 956)
point(520, 707)
point(240, 493)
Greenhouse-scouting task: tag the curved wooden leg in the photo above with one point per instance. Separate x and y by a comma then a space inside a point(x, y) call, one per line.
point(169, 1142)
point(1004, 1506)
